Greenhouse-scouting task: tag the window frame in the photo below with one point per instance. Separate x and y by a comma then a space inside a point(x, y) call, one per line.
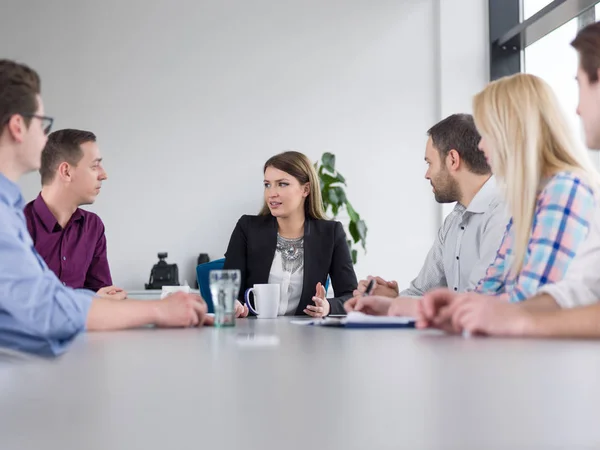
point(510, 36)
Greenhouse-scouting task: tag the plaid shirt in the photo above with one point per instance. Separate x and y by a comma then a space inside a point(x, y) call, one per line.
point(564, 210)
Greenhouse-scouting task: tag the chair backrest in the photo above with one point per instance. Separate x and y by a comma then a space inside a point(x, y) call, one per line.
point(202, 272)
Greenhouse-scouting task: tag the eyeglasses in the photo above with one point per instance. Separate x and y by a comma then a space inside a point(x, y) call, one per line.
point(46, 121)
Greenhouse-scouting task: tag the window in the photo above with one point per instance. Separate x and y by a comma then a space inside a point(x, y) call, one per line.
point(530, 7)
point(541, 46)
point(554, 60)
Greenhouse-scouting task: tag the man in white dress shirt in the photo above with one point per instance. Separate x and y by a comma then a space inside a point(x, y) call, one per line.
point(570, 307)
point(471, 234)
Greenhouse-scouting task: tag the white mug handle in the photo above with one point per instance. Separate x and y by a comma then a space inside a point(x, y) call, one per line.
point(247, 300)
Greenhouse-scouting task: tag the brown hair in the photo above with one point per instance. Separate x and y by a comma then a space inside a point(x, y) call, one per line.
point(63, 146)
point(458, 132)
point(19, 86)
point(299, 166)
point(587, 43)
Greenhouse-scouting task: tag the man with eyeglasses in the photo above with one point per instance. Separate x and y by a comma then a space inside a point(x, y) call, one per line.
point(72, 240)
point(37, 313)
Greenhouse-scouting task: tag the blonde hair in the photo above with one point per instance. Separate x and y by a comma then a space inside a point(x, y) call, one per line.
point(300, 167)
point(529, 137)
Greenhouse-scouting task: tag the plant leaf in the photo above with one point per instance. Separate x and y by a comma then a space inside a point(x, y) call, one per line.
point(328, 179)
point(341, 194)
point(328, 160)
point(335, 209)
point(333, 198)
point(361, 228)
point(354, 231)
point(354, 217)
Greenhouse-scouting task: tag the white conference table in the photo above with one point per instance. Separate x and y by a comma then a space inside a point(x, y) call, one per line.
point(316, 388)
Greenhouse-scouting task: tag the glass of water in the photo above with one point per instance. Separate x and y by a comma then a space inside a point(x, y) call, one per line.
point(224, 289)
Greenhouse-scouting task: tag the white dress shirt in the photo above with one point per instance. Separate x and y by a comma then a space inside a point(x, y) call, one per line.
point(581, 284)
point(466, 244)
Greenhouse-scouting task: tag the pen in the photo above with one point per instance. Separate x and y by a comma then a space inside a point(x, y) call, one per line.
point(370, 288)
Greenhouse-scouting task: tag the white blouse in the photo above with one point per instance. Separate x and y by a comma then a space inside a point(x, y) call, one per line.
point(290, 281)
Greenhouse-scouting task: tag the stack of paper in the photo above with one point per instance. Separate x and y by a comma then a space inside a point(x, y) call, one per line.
point(356, 319)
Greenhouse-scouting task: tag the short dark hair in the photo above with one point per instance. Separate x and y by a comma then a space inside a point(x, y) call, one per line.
point(458, 132)
point(587, 44)
point(63, 146)
point(19, 86)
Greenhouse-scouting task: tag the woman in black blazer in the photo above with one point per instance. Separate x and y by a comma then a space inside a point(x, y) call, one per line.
point(292, 244)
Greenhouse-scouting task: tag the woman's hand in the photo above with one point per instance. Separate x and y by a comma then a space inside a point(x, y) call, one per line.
point(322, 307)
point(240, 310)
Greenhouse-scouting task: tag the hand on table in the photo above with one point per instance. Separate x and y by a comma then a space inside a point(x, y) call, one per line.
point(434, 310)
point(473, 313)
point(112, 292)
point(372, 305)
point(490, 316)
point(404, 307)
point(182, 310)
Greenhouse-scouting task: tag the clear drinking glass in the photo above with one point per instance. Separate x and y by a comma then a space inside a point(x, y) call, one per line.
point(224, 289)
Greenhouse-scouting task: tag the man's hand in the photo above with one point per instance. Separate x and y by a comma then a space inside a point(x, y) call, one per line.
point(404, 306)
point(373, 305)
point(383, 288)
point(182, 310)
point(112, 292)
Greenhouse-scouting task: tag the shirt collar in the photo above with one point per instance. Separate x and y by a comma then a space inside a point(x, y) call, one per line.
point(46, 216)
point(11, 193)
point(486, 195)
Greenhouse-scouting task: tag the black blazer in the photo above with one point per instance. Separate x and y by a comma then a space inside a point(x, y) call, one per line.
point(252, 249)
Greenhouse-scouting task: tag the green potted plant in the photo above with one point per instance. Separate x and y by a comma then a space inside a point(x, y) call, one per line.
point(335, 201)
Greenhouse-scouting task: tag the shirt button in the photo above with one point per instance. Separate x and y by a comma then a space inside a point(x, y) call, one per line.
point(462, 228)
point(64, 258)
point(457, 257)
point(64, 284)
point(456, 289)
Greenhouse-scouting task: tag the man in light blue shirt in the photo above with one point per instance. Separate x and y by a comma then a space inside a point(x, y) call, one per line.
point(37, 313)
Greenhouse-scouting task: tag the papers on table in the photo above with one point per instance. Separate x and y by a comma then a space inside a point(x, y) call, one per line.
point(356, 319)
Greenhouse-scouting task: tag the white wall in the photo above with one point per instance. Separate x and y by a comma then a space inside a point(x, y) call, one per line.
point(464, 56)
point(189, 98)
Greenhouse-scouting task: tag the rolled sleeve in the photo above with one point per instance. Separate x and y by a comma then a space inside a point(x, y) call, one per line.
point(569, 294)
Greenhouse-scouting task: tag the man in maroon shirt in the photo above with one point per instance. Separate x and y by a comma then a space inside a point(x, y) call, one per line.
point(71, 240)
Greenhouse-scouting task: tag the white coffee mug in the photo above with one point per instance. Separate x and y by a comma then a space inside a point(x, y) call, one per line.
point(266, 300)
point(168, 290)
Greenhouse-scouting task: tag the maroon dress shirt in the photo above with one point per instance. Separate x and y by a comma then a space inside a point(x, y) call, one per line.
point(77, 253)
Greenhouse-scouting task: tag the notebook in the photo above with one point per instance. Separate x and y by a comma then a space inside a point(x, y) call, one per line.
point(356, 319)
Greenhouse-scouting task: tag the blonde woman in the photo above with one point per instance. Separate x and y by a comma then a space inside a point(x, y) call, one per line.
point(549, 185)
point(290, 243)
